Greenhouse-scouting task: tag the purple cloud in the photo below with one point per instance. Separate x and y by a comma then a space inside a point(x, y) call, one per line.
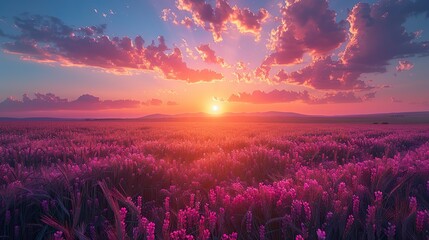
point(377, 36)
point(208, 55)
point(216, 19)
point(153, 102)
point(284, 96)
point(51, 102)
point(47, 39)
point(307, 26)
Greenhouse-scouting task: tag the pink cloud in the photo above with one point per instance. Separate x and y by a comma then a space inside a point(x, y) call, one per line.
point(47, 39)
point(172, 103)
point(247, 21)
point(208, 55)
point(187, 21)
point(395, 100)
point(216, 19)
point(324, 73)
point(343, 97)
point(243, 76)
point(51, 102)
point(168, 15)
point(307, 26)
point(275, 96)
point(284, 96)
point(404, 65)
point(154, 102)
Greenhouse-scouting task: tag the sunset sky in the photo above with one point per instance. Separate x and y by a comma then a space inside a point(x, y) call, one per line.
point(130, 58)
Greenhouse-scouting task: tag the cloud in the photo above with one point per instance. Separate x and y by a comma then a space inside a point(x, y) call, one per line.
point(275, 96)
point(208, 55)
point(404, 65)
point(284, 96)
point(153, 102)
point(47, 39)
point(395, 100)
point(342, 97)
point(169, 15)
point(325, 74)
point(187, 21)
point(216, 19)
point(307, 26)
point(51, 102)
point(377, 36)
point(243, 77)
point(172, 103)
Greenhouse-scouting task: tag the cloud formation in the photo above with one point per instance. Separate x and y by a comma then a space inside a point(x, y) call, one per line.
point(208, 55)
point(153, 102)
point(217, 18)
point(324, 74)
point(307, 26)
point(284, 96)
point(377, 36)
point(51, 102)
point(404, 65)
point(47, 39)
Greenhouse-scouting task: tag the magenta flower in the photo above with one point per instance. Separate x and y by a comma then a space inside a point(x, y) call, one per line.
point(321, 235)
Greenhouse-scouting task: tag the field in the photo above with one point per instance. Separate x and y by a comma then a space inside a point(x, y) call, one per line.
point(124, 180)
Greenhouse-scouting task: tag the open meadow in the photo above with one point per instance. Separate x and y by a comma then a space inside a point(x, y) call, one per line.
point(125, 180)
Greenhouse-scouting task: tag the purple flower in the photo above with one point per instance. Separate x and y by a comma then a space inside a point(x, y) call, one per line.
point(321, 235)
point(262, 232)
point(390, 231)
point(413, 204)
point(356, 203)
point(249, 221)
point(58, 235)
point(420, 220)
point(349, 224)
point(299, 237)
point(378, 198)
point(150, 230)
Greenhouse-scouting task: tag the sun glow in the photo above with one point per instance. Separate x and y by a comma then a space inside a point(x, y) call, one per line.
point(215, 108)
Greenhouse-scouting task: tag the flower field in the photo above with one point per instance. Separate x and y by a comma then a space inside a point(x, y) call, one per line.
point(132, 180)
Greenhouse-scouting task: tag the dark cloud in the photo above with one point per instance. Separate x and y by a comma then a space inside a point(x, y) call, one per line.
point(51, 102)
point(153, 102)
point(47, 39)
point(275, 96)
point(377, 36)
point(325, 74)
point(284, 96)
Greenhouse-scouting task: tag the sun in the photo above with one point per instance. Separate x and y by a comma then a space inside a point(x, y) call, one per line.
point(215, 108)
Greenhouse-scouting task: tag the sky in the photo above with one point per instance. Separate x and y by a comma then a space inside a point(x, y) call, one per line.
point(130, 58)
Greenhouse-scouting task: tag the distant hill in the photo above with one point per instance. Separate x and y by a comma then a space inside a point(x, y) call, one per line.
point(380, 118)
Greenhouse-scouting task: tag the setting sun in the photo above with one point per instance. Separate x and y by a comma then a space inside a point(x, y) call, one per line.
point(214, 119)
point(215, 108)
